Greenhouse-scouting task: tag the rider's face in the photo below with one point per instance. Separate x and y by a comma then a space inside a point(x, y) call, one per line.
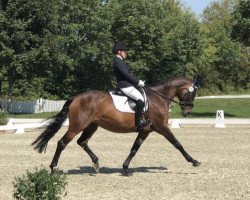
point(124, 54)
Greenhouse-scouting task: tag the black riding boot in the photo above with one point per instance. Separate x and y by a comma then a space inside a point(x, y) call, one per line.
point(139, 123)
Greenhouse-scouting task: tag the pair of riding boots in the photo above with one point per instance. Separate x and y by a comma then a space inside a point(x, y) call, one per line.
point(139, 122)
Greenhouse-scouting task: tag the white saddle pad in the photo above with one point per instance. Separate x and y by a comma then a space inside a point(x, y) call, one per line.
point(121, 103)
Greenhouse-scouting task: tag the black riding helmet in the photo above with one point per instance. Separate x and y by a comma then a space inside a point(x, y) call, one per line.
point(119, 46)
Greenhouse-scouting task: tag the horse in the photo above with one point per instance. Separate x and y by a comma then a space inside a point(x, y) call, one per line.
point(91, 109)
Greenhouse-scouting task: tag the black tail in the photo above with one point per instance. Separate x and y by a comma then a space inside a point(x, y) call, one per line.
point(56, 123)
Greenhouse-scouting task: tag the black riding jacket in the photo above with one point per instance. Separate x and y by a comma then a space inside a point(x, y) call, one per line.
point(122, 73)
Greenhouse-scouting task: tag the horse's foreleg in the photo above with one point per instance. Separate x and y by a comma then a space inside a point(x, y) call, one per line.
point(166, 132)
point(138, 141)
point(61, 144)
point(83, 142)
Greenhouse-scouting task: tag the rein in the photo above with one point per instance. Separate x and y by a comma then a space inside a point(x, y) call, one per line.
point(164, 97)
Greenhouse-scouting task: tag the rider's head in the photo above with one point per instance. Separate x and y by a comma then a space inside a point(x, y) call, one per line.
point(120, 49)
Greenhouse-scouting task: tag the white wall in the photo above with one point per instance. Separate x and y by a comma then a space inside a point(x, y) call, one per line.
point(36, 106)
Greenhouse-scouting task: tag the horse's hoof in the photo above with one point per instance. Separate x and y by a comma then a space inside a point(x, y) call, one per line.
point(52, 168)
point(196, 163)
point(127, 173)
point(96, 167)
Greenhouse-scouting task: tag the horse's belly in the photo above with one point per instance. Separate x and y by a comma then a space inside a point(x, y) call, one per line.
point(114, 126)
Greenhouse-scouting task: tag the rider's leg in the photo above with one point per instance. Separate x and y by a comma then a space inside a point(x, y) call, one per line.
point(133, 93)
point(139, 123)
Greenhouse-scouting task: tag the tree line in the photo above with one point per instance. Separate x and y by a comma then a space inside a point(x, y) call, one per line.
point(60, 48)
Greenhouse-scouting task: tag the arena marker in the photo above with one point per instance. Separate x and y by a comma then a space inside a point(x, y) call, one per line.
point(220, 119)
point(10, 123)
point(175, 123)
point(20, 130)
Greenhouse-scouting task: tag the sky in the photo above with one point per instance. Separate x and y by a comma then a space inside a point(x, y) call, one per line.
point(197, 6)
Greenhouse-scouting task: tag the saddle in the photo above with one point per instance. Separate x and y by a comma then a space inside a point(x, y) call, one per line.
point(124, 103)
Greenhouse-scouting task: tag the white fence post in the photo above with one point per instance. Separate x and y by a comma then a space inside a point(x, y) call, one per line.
point(40, 102)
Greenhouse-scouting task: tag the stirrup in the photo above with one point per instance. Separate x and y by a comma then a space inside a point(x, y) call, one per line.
point(141, 125)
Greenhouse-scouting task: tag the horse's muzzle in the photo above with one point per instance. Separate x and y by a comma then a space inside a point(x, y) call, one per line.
point(186, 108)
point(186, 112)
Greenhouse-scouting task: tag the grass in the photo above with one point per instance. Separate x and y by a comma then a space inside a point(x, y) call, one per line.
point(206, 108)
point(203, 108)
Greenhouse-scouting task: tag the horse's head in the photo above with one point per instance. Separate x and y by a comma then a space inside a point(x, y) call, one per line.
point(186, 95)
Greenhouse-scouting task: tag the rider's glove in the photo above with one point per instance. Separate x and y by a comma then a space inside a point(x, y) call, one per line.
point(141, 83)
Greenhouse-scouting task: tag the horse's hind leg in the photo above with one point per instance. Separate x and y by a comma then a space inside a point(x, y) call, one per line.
point(61, 144)
point(138, 141)
point(83, 142)
point(165, 131)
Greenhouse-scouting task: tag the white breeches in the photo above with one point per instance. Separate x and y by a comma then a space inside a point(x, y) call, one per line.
point(132, 92)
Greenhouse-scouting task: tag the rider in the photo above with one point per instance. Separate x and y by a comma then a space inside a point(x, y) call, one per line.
point(128, 83)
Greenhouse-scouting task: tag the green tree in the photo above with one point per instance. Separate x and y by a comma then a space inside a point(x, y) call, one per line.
point(23, 25)
point(78, 48)
point(241, 27)
point(221, 59)
point(56, 49)
point(84, 43)
point(162, 37)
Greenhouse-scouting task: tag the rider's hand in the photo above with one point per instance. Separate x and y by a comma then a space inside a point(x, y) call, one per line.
point(141, 83)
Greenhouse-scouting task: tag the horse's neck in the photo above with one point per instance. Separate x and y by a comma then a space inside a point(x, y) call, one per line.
point(170, 87)
point(166, 90)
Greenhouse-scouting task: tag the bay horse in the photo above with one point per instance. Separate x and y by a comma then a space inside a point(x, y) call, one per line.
point(91, 109)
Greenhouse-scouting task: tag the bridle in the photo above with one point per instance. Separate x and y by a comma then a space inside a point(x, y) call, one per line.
point(164, 97)
point(182, 104)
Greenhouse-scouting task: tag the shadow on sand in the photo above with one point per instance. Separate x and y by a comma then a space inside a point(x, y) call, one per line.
point(107, 170)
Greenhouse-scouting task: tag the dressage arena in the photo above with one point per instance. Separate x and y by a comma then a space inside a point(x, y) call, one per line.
point(160, 171)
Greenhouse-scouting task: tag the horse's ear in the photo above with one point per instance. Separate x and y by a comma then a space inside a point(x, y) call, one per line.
point(197, 80)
